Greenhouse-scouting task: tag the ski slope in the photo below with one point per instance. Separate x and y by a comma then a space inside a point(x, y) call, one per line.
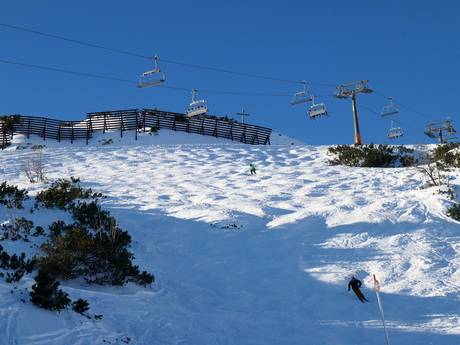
point(241, 259)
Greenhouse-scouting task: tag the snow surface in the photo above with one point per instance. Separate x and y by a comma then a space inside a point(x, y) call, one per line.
point(241, 259)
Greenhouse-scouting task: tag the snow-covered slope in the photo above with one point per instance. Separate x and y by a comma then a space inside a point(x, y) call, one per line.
point(241, 259)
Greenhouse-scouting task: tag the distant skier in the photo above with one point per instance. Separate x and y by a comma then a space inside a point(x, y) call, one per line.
point(252, 168)
point(355, 284)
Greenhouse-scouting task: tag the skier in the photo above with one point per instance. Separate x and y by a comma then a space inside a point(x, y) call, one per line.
point(252, 168)
point(355, 284)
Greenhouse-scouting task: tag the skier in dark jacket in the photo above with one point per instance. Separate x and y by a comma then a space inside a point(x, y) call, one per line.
point(355, 284)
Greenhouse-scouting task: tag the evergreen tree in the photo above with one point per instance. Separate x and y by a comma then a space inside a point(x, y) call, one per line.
point(46, 294)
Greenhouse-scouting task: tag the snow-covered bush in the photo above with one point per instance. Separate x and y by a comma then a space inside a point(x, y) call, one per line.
point(18, 264)
point(448, 154)
point(375, 156)
point(94, 247)
point(12, 196)
point(63, 193)
point(19, 229)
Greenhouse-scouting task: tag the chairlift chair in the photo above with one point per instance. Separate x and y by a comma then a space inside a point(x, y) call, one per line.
point(389, 109)
point(317, 109)
point(302, 96)
point(196, 107)
point(395, 132)
point(152, 77)
point(430, 130)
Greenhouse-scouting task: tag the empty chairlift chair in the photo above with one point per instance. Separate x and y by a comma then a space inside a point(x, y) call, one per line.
point(317, 109)
point(302, 96)
point(196, 107)
point(395, 132)
point(389, 109)
point(152, 77)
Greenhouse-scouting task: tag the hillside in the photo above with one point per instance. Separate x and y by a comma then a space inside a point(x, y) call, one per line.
point(247, 259)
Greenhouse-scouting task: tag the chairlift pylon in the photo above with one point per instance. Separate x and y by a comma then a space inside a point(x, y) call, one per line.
point(395, 132)
point(389, 109)
point(317, 109)
point(302, 96)
point(152, 77)
point(444, 130)
point(196, 107)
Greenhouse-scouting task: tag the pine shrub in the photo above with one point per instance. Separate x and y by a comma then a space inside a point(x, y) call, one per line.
point(454, 212)
point(12, 196)
point(46, 293)
point(80, 306)
point(375, 156)
point(64, 193)
point(94, 247)
point(448, 154)
point(20, 229)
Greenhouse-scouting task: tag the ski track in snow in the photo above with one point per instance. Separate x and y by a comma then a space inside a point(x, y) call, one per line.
point(241, 259)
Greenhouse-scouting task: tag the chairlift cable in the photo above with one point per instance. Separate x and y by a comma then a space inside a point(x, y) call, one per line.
point(98, 76)
point(54, 69)
point(113, 50)
point(395, 121)
point(168, 61)
point(397, 102)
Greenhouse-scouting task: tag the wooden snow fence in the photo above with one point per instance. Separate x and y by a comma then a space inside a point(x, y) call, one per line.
point(135, 120)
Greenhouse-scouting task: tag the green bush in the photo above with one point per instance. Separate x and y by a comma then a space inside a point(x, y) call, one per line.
point(39, 231)
point(17, 231)
point(454, 212)
point(94, 247)
point(448, 154)
point(80, 306)
point(376, 156)
point(12, 196)
point(46, 293)
point(18, 264)
point(63, 193)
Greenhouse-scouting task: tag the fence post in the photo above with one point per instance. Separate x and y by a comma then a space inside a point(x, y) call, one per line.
point(88, 126)
point(202, 127)
point(256, 137)
point(143, 119)
point(137, 125)
point(121, 125)
point(44, 130)
point(267, 140)
point(215, 130)
point(243, 136)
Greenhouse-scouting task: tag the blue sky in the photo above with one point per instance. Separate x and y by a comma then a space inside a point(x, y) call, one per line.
point(407, 49)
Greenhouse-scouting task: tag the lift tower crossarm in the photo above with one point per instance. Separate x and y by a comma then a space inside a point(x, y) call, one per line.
point(350, 90)
point(439, 128)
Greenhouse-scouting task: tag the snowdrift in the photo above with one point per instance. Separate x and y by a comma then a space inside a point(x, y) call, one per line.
point(247, 259)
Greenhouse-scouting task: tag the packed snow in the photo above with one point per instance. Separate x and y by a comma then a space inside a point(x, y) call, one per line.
point(246, 259)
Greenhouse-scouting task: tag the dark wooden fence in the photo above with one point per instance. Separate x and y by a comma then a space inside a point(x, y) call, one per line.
point(140, 120)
